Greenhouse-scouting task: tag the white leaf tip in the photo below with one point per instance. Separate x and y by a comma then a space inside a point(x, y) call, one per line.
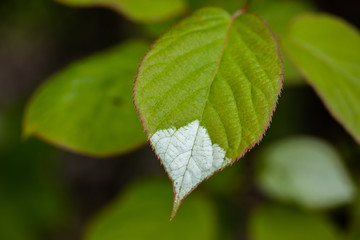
point(188, 156)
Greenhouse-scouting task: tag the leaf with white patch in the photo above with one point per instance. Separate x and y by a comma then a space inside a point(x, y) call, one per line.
point(206, 92)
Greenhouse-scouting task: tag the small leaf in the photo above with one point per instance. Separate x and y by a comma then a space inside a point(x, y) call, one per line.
point(281, 223)
point(87, 107)
point(307, 171)
point(206, 92)
point(139, 213)
point(327, 52)
point(138, 10)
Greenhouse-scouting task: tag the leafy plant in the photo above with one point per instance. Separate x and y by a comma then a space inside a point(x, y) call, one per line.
point(205, 91)
point(91, 101)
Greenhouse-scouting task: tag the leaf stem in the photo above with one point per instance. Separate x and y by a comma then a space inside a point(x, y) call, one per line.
point(246, 5)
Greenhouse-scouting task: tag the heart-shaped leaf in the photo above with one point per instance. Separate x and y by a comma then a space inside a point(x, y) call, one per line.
point(327, 52)
point(87, 107)
point(206, 92)
point(137, 10)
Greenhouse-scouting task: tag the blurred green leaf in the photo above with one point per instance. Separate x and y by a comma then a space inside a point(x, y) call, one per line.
point(137, 10)
point(307, 171)
point(142, 213)
point(206, 92)
point(87, 107)
point(281, 223)
point(327, 51)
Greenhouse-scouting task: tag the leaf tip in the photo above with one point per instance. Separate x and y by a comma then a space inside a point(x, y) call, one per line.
point(176, 206)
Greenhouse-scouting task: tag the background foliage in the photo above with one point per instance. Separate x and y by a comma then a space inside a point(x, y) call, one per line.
point(49, 193)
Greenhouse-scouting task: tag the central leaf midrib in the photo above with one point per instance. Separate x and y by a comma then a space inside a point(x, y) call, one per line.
point(210, 85)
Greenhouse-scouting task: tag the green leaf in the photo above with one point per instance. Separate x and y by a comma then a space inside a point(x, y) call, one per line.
point(87, 107)
point(139, 214)
point(307, 171)
point(137, 10)
point(327, 51)
point(206, 92)
point(280, 223)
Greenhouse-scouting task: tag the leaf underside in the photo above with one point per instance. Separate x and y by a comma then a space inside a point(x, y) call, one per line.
point(206, 92)
point(327, 52)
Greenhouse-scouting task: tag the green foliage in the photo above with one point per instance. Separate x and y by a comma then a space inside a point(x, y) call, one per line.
point(87, 107)
point(137, 10)
point(206, 92)
point(307, 171)
point(281, 223)
point(214, 79)
point(141, 213)
point(32, 201)
point(327, 52)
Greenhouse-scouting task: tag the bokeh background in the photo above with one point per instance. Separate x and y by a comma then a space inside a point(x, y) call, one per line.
point(50, 193)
